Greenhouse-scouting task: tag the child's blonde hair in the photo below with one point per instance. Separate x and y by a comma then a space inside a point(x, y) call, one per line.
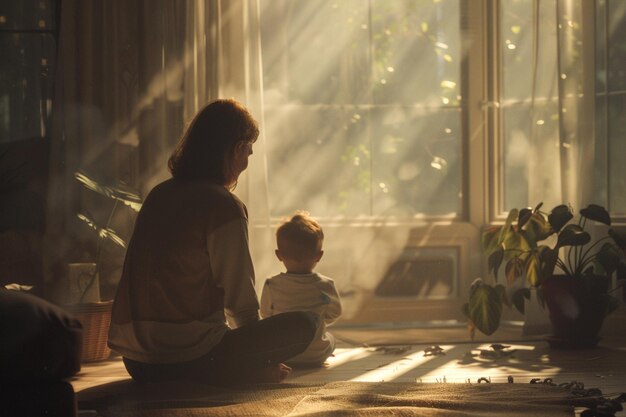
point(300, 238)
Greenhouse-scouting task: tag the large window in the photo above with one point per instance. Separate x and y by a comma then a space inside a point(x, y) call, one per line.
point(434, 118)
point(364, 107)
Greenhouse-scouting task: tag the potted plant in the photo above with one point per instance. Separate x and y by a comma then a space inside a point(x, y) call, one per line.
point(578, 296)
point(95, 314)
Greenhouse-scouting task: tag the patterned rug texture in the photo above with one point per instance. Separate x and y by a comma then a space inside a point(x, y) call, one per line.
point(126, 398)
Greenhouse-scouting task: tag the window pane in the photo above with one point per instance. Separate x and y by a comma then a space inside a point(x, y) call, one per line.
point(616, 76)
point(363, 107)
point(318, 160)
point(417, 162)
point(315, 52)
point(416, 52)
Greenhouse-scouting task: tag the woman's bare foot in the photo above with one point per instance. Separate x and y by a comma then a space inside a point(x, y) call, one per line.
point(272, 373)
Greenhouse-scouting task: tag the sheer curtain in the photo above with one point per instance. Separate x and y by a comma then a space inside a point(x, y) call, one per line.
point(548, 54)
point(241, 77)
point(576, 70)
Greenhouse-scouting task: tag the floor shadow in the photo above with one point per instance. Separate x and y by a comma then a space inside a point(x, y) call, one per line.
point(127, 394)
point(50, 398)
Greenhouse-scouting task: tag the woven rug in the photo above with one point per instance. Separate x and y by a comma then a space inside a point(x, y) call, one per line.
point(126, 398)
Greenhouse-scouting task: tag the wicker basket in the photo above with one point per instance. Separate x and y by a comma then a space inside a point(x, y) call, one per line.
point(95, 318)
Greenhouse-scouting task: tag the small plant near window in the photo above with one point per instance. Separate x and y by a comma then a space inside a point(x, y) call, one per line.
point(120, 193)
point(519, 245)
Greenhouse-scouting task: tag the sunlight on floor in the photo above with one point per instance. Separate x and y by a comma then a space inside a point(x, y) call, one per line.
point(395, 369)
point(483, 361)
point(343, 355)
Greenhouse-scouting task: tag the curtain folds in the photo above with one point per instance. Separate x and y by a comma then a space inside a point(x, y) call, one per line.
point(576, 75)
point(561, 169)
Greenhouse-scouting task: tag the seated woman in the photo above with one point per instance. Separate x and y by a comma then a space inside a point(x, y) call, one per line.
point(188, 267)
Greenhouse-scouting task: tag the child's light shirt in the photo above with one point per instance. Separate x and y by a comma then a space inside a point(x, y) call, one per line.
point(305, 292)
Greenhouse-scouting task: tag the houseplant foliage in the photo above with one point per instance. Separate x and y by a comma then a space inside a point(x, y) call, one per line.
point(520, 245)
point(119, 192)
point(96, 316)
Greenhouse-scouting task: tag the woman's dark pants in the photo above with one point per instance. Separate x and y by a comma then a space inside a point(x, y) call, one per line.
point(241, 353)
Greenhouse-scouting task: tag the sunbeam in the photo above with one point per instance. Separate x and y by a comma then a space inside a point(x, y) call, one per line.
point(397, 368)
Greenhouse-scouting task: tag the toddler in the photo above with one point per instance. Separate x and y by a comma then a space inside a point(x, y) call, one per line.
point(299, 242)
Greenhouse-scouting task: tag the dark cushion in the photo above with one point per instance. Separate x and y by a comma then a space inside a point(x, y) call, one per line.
point(38, 340)
point(39, 398)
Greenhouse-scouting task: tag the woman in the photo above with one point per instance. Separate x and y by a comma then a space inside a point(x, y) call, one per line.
point(188, 267)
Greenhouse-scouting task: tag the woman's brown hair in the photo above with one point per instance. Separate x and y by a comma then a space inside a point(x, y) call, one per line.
point(205, 151)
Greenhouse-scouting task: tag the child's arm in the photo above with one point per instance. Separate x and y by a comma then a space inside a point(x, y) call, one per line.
point(333, 311)
point(266, 300)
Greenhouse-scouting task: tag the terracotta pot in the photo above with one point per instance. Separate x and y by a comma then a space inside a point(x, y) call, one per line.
point(577, 309)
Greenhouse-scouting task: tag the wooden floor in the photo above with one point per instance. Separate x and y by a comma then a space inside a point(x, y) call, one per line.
point(442, 355)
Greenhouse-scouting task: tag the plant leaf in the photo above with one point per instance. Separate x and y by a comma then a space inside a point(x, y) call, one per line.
point(514, 269)
point(489, 239)
point(559, 216)
point(485, 309)
point(573, 235)
point(102, 232)
point(494, 261)
point(475, 284)
point(533, 269)
point(518, 299)
point(507, 228)
point(120, 191)
point(619, 236)
point(547, 262)
point(537, 229)
point(609, 257)
point(514, 244)
point(597, 213)
point(524, 215)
